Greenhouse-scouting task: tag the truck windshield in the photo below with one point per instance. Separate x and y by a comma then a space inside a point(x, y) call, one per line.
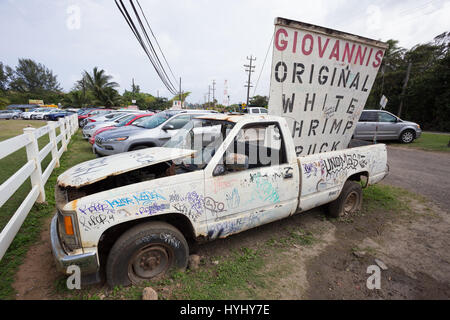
point(203, 136)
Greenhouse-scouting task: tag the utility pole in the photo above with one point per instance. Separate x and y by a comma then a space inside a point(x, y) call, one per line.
point(214, 90)
point(405, 83)
point(249, 70)
point(181, 99)
point(209, 94)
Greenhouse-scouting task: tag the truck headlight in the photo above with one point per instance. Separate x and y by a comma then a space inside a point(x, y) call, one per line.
point(68, 230)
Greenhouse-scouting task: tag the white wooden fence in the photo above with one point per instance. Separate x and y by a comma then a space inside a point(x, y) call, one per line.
point(32, 169)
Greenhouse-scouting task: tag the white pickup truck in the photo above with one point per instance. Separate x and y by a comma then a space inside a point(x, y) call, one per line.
point(131, 216)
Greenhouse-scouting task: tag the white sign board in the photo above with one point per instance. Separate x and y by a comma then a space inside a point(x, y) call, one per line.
point(383, 102)
point(320, 82)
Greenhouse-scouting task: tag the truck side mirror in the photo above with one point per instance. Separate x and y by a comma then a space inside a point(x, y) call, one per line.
point(219, 170)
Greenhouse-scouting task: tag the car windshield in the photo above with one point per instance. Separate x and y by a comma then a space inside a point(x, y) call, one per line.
point(153, 122)
point(140, 120)
point(203, 136)
point(123, 121)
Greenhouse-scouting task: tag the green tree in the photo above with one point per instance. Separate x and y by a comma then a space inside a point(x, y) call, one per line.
point(259, 101)
point(101, 86)
point(33, 77)
point(5, 77)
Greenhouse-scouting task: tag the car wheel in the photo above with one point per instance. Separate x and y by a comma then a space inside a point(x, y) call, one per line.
point(145, 252)
point(407, 136)
point(348, 202)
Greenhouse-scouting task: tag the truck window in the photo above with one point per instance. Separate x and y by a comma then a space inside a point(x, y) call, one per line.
point(262, 144)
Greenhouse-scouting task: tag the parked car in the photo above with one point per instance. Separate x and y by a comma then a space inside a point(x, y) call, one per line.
point(127, 121)
point(42, 115)
point(383, 125)
point(95, 123)
point(27, 115)
point(10, 114)
point(54, 116)
point(255, 110)
point(153, 132)
point(93, 112)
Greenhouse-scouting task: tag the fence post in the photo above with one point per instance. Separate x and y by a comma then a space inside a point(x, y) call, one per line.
point(75, 120)
point(52, 135)
point(32, 149)
point(62, 129)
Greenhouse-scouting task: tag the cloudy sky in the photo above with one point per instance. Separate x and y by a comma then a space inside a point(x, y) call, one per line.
point(202, 40)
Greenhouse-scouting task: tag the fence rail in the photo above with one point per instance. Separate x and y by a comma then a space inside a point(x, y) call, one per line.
point(32, 169)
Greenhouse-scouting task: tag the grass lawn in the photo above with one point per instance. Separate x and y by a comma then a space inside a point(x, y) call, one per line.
point(78, 151)
point(242, 272)
point(430, 142)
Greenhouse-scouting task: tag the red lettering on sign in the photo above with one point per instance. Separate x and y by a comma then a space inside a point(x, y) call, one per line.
point(335, 51)
point(280, 44)
point(311, 41)
point(322, 49)
point(348, 53)
point(378, 57)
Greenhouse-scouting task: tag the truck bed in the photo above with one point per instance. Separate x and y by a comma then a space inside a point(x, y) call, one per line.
point(323, 175)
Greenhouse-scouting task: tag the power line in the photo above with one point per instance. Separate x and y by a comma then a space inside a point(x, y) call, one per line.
point(151, 45)
point(151, 54)
point(264, 63)
point(156, 40)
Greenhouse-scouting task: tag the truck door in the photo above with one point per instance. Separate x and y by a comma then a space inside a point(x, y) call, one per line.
point(263, 187)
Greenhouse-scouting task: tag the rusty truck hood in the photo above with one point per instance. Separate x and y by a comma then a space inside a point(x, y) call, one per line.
point(98, 169)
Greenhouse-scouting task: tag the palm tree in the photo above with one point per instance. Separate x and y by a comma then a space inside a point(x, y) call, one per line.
point(101, 86)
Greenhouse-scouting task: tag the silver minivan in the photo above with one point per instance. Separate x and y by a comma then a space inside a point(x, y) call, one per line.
point(383, 125)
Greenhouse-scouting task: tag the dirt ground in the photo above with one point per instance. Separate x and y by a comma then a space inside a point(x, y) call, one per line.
point(412, 243)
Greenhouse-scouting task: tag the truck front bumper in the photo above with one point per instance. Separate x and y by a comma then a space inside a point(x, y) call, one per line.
point(87, 262)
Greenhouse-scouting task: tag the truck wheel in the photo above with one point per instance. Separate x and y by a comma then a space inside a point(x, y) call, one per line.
point(348, 202)
point(144, 252)
point(407, 136)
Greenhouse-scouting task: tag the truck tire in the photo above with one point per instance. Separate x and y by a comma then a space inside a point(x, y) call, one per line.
point(407, 136)
point(348, 202)
point(144, 252)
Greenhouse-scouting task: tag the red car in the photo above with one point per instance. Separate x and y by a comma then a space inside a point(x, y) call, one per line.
point(127, 121)
point(93, 112)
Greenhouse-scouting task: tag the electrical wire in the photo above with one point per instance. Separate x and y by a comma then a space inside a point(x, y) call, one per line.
point(151, 54)
point(161, 67)
point(262, 68)
point(156, 40)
